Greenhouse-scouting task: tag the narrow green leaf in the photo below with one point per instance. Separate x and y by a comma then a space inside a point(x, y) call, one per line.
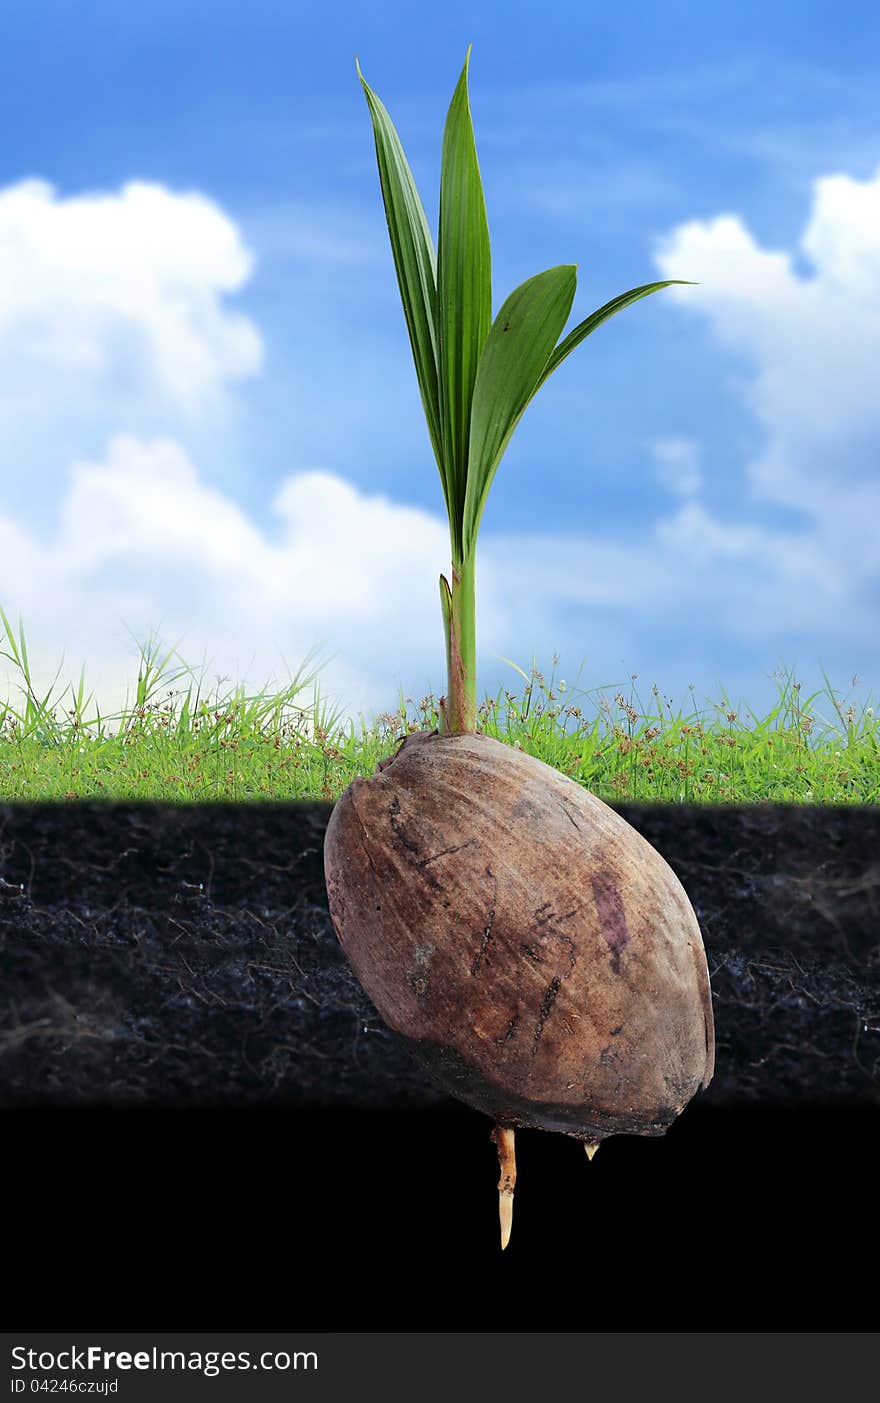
point(516, 351)
point(446, 605)
point(464, 286)
point(446, 610)
point(414, 262)
point(584, 328)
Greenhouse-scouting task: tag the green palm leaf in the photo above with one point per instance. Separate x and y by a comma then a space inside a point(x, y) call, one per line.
point(414, 262)
point(464, 287)
point(516, 351)
point(584, 328)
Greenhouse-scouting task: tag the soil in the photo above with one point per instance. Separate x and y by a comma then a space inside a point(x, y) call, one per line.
point(184, 957)
point(195, 1133)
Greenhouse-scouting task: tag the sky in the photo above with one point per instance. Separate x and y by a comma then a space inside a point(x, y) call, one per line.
point(210, 429)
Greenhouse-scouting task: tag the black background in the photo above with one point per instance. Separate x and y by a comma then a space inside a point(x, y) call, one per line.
point(370, 1221)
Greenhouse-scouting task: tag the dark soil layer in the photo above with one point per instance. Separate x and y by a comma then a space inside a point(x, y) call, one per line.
point(184, 956)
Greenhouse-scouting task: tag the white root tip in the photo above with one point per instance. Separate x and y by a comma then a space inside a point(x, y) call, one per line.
point(505, 1213)
point(591, 1150)
point(503, 1137)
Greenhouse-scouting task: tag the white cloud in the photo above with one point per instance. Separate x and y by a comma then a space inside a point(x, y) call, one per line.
point(142, 542)
point(812, 345)
point(116, 299)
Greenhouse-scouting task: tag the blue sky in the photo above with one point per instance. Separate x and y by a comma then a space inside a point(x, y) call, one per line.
point(212, 426)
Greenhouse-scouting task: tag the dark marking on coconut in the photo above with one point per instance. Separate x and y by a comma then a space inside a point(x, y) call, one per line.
point(552, 946)
point(569, 815)
point(410, 844)
point(398, 827)
point(486, 940)
point(555, 948)
point(551, 916)
point(510, 1030)
point(612, 916)
point(545, 1010)
point(456, 848)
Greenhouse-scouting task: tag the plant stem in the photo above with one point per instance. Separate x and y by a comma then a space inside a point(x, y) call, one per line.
point(461, 696)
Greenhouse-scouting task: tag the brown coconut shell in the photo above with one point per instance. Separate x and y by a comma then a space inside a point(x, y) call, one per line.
point(539, 956)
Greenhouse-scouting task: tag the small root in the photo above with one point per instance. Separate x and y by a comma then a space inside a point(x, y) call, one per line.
point(503, 1138)
point(591, 1150)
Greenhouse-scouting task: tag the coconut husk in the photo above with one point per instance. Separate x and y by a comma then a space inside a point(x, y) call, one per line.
point(539, 956)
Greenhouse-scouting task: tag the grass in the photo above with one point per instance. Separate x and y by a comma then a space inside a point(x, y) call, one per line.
point(178, 742)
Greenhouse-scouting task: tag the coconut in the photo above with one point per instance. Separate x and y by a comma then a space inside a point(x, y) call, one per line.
point(539, 957)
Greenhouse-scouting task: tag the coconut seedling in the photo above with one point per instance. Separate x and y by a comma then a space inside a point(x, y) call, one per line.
point(538, 955)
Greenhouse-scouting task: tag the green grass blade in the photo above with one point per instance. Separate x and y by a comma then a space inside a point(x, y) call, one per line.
point(584, 328)
point(521, 339)
point(13, 655)
point(464, 288)
point(25, 662)
point(414, 261)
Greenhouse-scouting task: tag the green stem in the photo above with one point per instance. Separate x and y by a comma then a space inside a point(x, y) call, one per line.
point(460, 621)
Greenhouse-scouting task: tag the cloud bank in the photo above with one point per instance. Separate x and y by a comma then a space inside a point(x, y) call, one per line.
point(117, 299)
point(811, 345)
point(142, 542)
point(125, 292)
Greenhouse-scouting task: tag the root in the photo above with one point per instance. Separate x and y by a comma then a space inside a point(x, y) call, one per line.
point(502, 1135)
